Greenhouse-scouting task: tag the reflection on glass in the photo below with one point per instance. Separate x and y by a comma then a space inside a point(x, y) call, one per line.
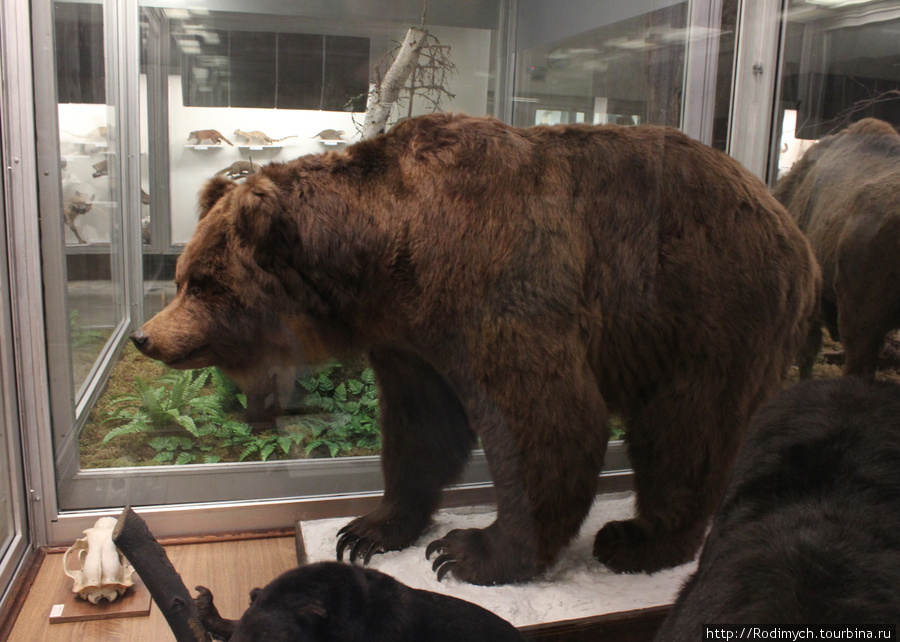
point(841, 64)
point(224, 92)
point(7, 524)
point(628, 72)
point(89, 189)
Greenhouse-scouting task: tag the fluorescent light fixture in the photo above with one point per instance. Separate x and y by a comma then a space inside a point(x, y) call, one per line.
point(837, 3)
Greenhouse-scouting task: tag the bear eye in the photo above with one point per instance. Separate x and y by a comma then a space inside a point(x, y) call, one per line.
point(194, 290)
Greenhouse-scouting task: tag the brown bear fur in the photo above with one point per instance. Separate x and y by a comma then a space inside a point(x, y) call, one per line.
point(516, 285)
point(845, 195)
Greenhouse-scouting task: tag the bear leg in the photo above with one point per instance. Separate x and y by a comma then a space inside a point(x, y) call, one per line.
point(426, 441)
point(544, 436)
point(806, 358)
point(867, 287)
point(679, 477)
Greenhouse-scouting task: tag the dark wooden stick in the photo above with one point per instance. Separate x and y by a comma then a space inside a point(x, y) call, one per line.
point(166, 588)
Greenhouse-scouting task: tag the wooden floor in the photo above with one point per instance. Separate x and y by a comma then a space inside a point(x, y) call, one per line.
point(229, 569)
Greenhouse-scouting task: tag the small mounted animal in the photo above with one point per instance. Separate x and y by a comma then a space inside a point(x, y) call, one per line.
point(330, 134)
point(259, 137)
point(239, 169)
point(73, 207)
point(208, 134)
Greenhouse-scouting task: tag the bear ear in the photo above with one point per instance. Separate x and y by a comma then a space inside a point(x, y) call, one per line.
point(257, 211)
point(214, 189)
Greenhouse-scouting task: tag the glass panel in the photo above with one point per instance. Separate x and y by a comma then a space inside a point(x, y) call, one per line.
point(294, 80)
point(90, 186)
point(628, 68)
point(841, 64)
point(7, 523)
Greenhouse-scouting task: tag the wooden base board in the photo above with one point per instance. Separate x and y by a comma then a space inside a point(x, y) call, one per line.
point(69, 607)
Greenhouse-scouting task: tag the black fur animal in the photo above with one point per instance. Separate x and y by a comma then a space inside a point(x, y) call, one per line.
point(337, 602)
point(809, 530)
point(845, 195)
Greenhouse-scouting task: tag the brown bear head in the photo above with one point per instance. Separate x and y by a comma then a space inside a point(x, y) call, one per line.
point(240, 304)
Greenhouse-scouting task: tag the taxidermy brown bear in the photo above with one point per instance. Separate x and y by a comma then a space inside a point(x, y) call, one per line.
point(809, 529)
point(845, 195)
point(336, 602)
point(516, 285)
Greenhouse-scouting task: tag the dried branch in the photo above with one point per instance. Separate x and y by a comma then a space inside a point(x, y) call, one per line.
point(152, 564)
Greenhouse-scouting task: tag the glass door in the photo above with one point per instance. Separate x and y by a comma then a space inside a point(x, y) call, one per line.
point(14, 541)
point(135, 88)
point(841, 64)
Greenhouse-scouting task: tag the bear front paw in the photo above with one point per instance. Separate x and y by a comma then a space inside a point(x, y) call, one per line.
point(377, 532)
point(630, 546)
point(481, 556)
point(361, 547)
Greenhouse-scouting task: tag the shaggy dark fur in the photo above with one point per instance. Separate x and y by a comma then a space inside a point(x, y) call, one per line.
point(809, 529)
point(515, 285)
point(845, 195)
point(336, 602)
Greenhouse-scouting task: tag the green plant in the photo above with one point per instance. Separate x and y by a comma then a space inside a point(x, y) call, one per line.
point(78, 335)
point(352, 407)
point(178, 404)
point(264, 444)
point(198, 404)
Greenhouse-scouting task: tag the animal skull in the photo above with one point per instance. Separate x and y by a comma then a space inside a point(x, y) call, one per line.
point(105, 573)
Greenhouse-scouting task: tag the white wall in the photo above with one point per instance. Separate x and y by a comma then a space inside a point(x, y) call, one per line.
point(189, 167)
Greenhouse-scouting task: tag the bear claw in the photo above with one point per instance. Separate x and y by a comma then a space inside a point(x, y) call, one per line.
point(361, 548)
point(444, 563)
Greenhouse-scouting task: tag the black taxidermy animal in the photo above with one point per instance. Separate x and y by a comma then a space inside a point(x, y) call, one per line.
point(73, 207)
point(260, 137)
point(809, 530)
point(208, 134)
point(335, 602)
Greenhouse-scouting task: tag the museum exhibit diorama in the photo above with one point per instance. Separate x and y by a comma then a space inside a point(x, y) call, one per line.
point(448, 320)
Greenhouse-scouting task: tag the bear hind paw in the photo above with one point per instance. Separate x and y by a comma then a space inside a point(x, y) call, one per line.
point(629, 546)
point(481, 556)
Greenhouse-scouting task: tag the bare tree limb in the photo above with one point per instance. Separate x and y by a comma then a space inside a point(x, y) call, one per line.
point(152, 564)
point(382, 99)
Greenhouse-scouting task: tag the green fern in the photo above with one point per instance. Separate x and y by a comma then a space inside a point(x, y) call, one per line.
point(352, 406)
point(178, 403)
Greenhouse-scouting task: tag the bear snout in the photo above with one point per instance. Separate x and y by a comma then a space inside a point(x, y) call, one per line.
point(140, 339)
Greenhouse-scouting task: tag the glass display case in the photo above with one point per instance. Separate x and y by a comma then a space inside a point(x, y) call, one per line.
point(147, 100)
